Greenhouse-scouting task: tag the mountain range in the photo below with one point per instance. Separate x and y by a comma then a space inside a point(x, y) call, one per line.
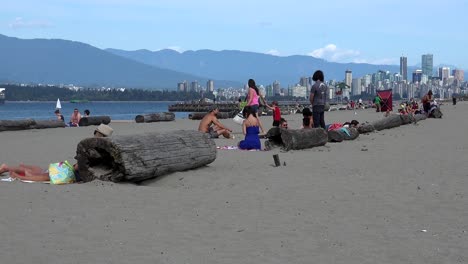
point(241, 65)
point(56, 61)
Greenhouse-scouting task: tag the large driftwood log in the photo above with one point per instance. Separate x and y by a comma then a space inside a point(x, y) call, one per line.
point(339, 135)
point(303, 138)
point(390, 121)
point(94, 120)
point(365, 128)
point(274, 138)
point(135, 158)
point(40, 124)
point(419, 117)
point(220, 115)
point(11, 125)
point(155, 117)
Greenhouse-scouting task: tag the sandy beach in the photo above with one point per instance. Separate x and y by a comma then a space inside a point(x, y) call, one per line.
point(394, 196)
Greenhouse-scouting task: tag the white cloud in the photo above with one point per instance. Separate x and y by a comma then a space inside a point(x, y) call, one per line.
point(19, 23)
point(176, 48)
point(332, 53)
point(273, 52)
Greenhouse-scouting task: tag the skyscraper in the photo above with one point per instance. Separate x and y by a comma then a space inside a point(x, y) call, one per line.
point(349, 78)
point(404, 68)
point(210, 86)
point(458, 75)
point(427, 64)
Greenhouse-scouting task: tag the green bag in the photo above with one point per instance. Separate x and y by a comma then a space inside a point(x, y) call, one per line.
point(61, 173)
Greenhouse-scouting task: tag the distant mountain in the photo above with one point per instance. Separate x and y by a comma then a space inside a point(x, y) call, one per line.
point(67, 62)
point(240, 65)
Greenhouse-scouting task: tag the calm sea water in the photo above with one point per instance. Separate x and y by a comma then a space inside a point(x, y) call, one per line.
point(116, 110)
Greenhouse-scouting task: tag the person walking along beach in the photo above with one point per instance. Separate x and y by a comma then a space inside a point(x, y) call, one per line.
point(318, 98)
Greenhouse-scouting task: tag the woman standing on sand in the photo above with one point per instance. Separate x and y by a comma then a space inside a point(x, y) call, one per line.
point(251, 128)
point(318, 97)
point(253, 96)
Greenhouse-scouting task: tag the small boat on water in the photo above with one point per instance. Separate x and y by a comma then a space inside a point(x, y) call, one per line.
point(78, 101)
point(58, 105)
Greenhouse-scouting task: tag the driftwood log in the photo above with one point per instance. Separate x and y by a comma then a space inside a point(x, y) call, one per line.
point(365, 128)
point(274, 138)
point(303, 138)
point(40, 124)
point(155, 117)
point(135, 158)
point(94, 120)
point(220, 115)
point(390, 121)
point(12, 125)
point(339, 135)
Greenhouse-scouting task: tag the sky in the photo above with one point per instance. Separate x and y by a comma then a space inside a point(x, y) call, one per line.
point(361, 31)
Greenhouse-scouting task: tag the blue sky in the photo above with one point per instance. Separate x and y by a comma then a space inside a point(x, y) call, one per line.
point(370, 31)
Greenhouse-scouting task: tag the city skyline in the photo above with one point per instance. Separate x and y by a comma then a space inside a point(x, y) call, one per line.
point(346, 32)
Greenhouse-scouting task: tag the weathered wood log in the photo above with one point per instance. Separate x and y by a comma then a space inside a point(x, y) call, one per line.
point(220, 115)
point(40, 124)
point(353, 133)
point(303, 138)
point(390, 121)
point(94, 120)
point(335, 136)
point(274, 138)
point(155, 117)
point(365, 128)
point(419, 117)
point(11, 125)
point(339, 135)
point(135, 158)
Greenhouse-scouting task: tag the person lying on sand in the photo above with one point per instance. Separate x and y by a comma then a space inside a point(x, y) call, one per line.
point(36, 173)
point(210, 124)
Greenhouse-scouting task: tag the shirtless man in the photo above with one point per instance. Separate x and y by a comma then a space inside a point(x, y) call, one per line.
point(210, 124)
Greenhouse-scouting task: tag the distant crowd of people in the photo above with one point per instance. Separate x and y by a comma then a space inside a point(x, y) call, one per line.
point(75, 117)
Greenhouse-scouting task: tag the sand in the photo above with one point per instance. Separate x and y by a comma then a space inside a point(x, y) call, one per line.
point(395, 196)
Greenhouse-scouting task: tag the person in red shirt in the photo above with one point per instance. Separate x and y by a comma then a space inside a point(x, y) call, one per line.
point(276, 113)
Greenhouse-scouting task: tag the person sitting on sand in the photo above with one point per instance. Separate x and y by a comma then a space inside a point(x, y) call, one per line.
point(86, 113)
point(426, 102)
point(307, 114)
point(283, 123)
point(210, 124)
point(59, 115)
point(36, 173)
point(251, 128)
point(75, 118)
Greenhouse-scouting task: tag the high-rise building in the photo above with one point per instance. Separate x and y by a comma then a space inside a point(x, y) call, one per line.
point(356, 87)
point(304, 81)
point(444, 73)
point(210, 86)
point(276, 88)
point(458, 75)
point(180, 87)
point(404, 68)
point(427, 64)
point(348, 78)
point(417, 76)
point(194, 86)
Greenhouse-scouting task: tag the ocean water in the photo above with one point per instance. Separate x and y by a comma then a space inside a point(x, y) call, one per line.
point(116, 110)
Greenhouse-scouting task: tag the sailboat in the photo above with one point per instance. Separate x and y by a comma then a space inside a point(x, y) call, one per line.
point(58, 105)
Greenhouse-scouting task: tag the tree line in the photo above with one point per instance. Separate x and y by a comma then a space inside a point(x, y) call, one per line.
point(51, 93)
